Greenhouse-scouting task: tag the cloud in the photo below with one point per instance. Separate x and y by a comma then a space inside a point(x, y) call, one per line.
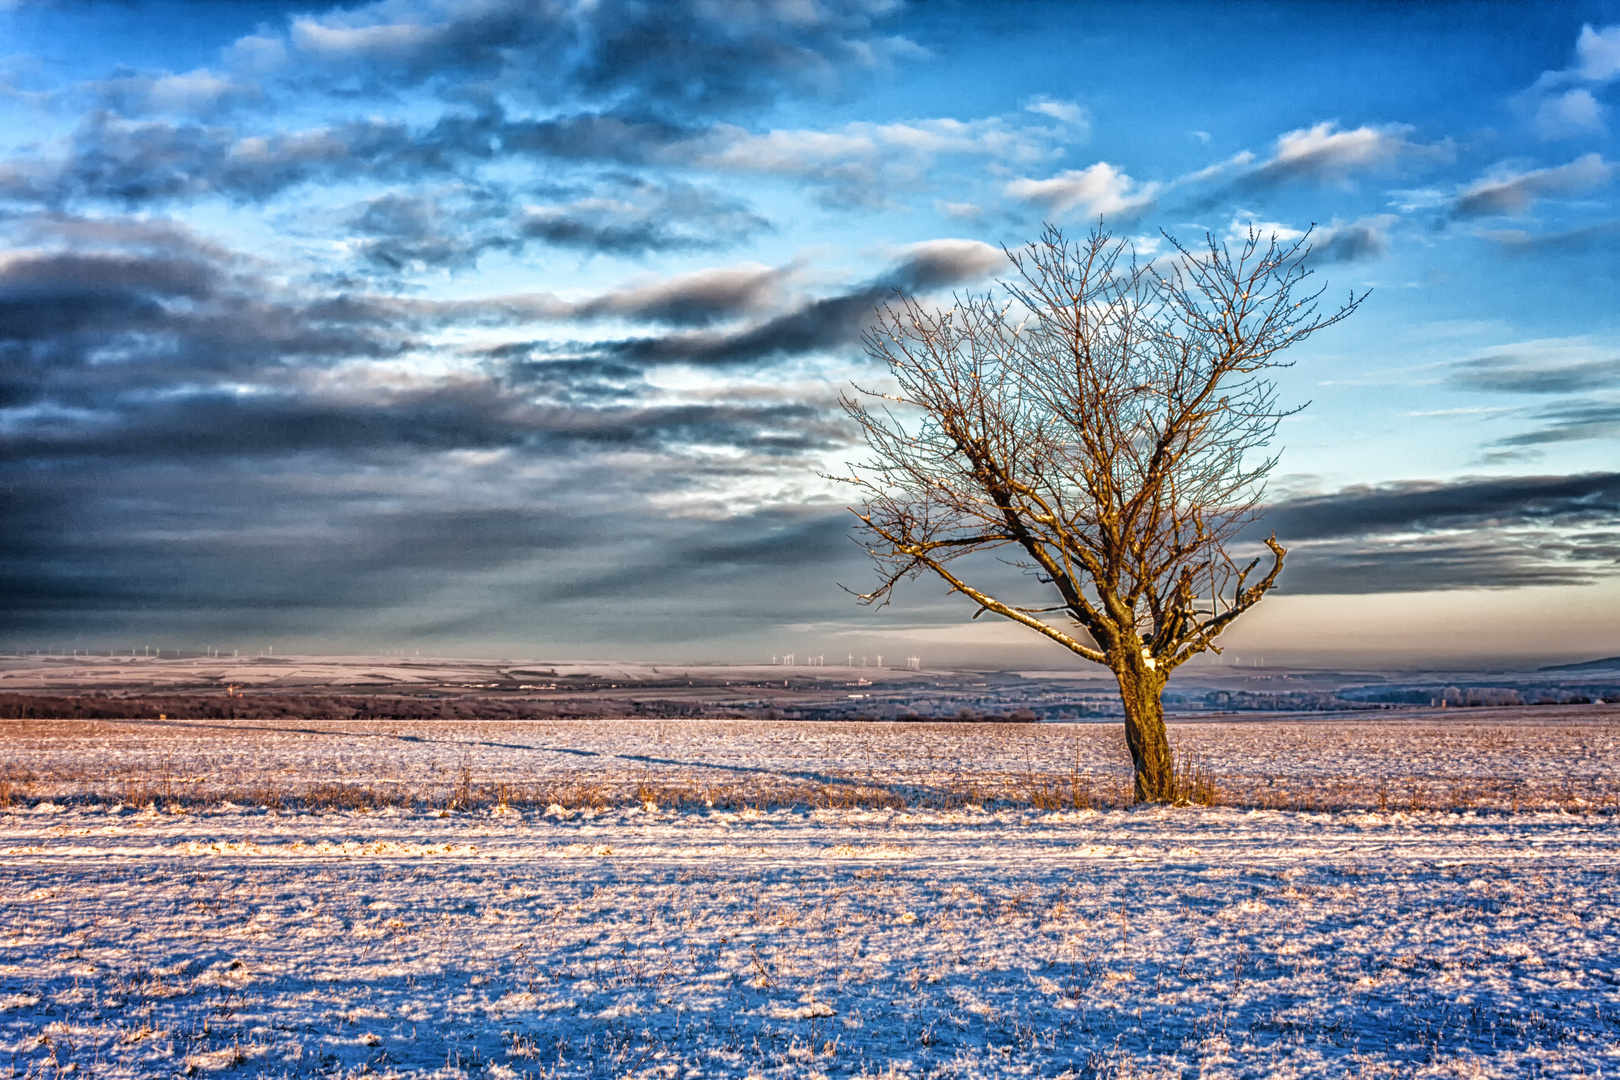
point(934, 263)
point(435, 550)
point(608, 136)
point(1539, 367)
point(1574, 112)
point(187, 436)
point(1597, 59)
point(1324, 153)
point(1365, 239)
point(168, 403)
point(144, 327)
point(694, 299)
point(1435, 563)
point(960, 211)
point(618, 82)
point(1467, 503)
point(111, 158)
point(133, 162)
point(699, 298)
point(454, 226)
point(830, 323)
point(1518, 242)
point(1509, 192)
point(1559, 113)
point(146, 340)
point(1588, 373)
point(162, 162)
point(644, 217)
point(674, 57)
point(363, 418)
point(1573, 421)
point(400, 232)
point(1066, 112)
point(857, 163)
point(600, 81)
point(1098, 190)
point(1598, 54)
point(1475, 532)
point(199, 92)
point(79, 325)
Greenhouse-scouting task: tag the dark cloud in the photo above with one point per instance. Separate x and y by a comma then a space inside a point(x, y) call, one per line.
point(595, 136)
point(1471, 533)
point(1509, 193)
point(151, 314)
point(403, 232)
point(1462, 504)
point(830, 323)
point(157, 343)
point(186, 454)
point(1574, 421)
point(646, 217)
point(452, 416)
point(1352, 243)
point(404, 235)
point(938, 263)
point(672, 56)
point(613, 238)
point(620, 83)
point(137, 162)
point(580, 381)
point(438, 211)
point(186, 437)
point(134, 162)
point(692, 299)
point(79, 326)
point(1430, 564)
point(1550, 369)
point(1535, 374)
point(167, 549)
point(697, 299)
point(1517, 242)
point(615, 82)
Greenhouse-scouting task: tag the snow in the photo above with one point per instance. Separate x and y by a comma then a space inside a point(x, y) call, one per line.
point(627, 936)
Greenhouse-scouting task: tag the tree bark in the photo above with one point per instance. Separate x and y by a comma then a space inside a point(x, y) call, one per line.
point(1140, 687)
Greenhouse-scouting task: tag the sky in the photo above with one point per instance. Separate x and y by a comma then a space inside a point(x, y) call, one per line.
point(517, 327)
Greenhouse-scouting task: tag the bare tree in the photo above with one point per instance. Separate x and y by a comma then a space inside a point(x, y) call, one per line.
point(1105, 421)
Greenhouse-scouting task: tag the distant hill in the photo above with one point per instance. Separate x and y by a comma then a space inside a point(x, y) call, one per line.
point(1590, 665)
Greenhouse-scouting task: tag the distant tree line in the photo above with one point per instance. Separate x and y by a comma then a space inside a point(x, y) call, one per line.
point(334, 707)
point(1478, 696)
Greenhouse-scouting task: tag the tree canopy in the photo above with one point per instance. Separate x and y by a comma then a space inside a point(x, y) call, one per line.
point(1104, 420)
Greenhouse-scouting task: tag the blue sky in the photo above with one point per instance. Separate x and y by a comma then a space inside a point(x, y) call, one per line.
point(485, 326)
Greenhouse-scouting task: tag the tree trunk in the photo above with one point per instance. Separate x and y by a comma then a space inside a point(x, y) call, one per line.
point(1139, 689)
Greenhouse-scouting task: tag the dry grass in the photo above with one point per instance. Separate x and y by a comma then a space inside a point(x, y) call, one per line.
point(1504, 764)
point(1195, 785)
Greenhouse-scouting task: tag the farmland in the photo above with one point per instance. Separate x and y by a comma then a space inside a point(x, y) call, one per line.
point(1428, 895)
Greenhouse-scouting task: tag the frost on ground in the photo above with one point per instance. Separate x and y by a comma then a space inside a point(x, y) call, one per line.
point(636, 940)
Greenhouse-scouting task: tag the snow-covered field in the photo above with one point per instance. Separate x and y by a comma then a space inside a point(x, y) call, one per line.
point(149, 929)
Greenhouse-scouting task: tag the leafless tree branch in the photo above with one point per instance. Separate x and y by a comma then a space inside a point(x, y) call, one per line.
point(1108, 419)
